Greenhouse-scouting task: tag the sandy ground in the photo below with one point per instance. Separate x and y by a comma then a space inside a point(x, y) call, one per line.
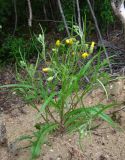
point(104, 143)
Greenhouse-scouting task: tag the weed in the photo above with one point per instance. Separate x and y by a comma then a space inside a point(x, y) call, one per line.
point(70, 72)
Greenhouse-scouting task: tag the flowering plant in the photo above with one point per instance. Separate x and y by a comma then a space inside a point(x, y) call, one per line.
point(70, 71)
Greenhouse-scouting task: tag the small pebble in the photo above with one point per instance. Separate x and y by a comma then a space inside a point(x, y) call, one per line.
point(51, 150)
point(111, 86)
point(70, 140)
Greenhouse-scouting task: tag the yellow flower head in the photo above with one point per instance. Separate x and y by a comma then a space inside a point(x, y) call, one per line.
point(73, 53)
point(58, 43)
point(85, 55)
point(46, 70)
point(69, 41)
point(93, 44)
point(92, 47)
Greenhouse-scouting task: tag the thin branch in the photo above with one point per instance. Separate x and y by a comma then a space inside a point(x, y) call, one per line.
point(79, 16)
point(40, 113)
point(51, 115)
point(121, 109)
point(49, 20)
point(15, 10)
point(51, 10)
point(44, 10)
point(63, 17)
point(74, 10)
point(30, 13)
point(99, 34)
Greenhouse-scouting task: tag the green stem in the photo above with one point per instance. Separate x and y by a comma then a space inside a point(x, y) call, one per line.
point(40, 113)
point(51, 115)
point(61, 117)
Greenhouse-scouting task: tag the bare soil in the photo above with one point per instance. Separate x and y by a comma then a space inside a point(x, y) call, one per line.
point(104, 143)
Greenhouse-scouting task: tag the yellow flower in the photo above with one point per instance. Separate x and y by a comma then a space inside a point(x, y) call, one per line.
point(46, 70)
point(73, 53)
point(92, 44)
point(69, 41)
point(58, 43)
point(92, 47)
point(85, 55)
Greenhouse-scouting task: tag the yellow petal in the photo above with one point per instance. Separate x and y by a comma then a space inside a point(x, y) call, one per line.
point(85, 55)
point(92, 47)
point(46, 70)
point(93, 44)
point(58, 43)
point(70, 41)
point(67, 41)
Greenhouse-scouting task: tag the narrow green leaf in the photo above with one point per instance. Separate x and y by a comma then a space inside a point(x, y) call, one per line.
point(47, 101)
point(103, 88)
point(16, 85)
point(40, 138)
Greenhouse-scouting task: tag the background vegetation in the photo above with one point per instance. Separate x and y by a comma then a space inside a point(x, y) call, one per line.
point(14, 30)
